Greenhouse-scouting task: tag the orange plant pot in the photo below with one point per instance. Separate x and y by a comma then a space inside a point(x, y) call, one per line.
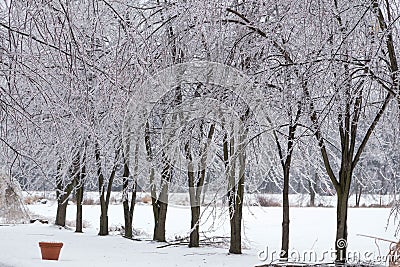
point(50, 250)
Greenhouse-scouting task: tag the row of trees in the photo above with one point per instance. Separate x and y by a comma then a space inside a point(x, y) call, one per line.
point(98, 93)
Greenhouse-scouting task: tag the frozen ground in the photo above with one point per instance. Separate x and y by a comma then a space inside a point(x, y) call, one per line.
point(311, 229)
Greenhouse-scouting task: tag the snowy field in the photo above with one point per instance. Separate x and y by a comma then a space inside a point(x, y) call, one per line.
point(312, 229)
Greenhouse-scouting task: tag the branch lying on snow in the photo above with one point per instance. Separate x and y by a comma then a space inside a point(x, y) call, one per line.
point(177, 241)
point(206, 241)
point(136, 239)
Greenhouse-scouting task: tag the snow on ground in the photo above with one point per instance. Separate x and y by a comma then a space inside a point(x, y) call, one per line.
point(21, 249)
point(311, 229)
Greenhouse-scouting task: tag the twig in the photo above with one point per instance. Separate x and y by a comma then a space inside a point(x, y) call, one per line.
point(182, 241)
point(174, 244)
point(378, 238)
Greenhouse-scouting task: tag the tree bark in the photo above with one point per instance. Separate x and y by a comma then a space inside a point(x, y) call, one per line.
point(63, 190)
point(311, 187)
point(79, 211)
point(160, 219)
point(236, 191)
point(285, 215)
point(286, 163)
point(105, 192)
point(61, 211)
point(79, 196)
point(236, 230)
point(286, 160)
point(103, 224)
point(194, 239)
point(127, 218)
point(160, 205)
point(129, 208)
point(63, 193)
point(358, 195)
point(196, 188)
point(341, 227)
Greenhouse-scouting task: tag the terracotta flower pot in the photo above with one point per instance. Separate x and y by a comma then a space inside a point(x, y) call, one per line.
point(50, 250)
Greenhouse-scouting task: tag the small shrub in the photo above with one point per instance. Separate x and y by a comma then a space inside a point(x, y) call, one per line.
point(146, 199)
point(135, 232)
point(29, 200)
point(267, 202)
point(114, 201)
point(377, 205)
point(72, 224)
point(88, 201)
point(322, 205)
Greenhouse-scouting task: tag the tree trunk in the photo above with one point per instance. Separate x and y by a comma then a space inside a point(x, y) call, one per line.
point(128, 214)
point(62, 202)
point(196, 188)
point(194, 237)
point(61, 211)
point(205, 188)
point(160, 205)
point(79, 199)
point(235, 241)
point(311, 187)
point(127, 219)
point(194, 240)
point(236, 192)
point(341, 227)
point(358, 195)
point(236, 230)
point(64, 191)
point(103, 214)
point(236, 219)
point(160, 219)
point(105, 192)
point(125, 194)
point(103, 219)
point(128, 209)
point(103, 224)
point(286, 163)
point(285, 217)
